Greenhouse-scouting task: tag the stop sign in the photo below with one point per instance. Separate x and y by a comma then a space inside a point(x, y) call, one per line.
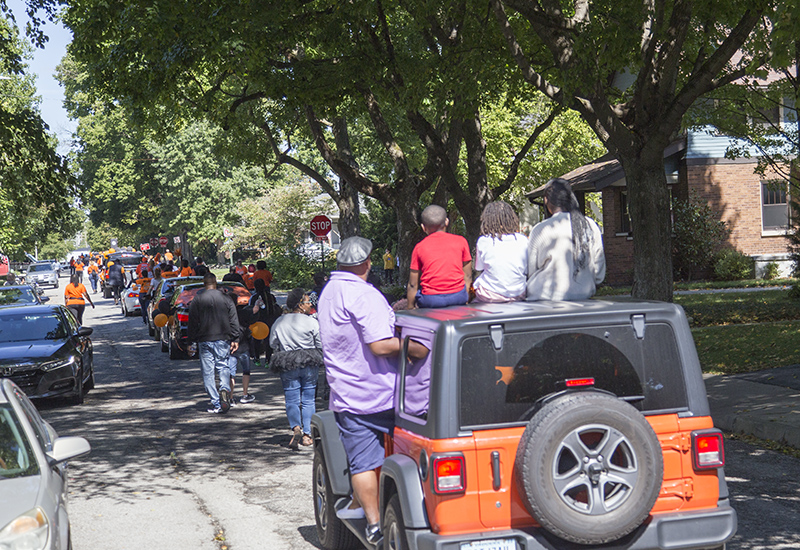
point(163, 241)
point(320, 225)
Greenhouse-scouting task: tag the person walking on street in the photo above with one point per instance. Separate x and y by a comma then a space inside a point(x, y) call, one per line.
point(75, 297)
point(214, 327)
point(115, 276)
point(144, 293)
point(92, 271)
point(297, 356)
point(357, 333)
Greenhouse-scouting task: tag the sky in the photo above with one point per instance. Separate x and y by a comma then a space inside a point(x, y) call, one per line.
point(43, 65)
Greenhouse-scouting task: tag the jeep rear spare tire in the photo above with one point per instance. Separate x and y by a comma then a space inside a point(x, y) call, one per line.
point(589, 467)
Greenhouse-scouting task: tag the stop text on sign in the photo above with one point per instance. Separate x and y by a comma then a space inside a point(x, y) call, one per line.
point(320, 225)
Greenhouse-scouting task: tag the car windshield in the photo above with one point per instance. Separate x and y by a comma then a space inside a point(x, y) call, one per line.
point(40, 267)
point(16, 455)
point(25, 327)
point(16, 295)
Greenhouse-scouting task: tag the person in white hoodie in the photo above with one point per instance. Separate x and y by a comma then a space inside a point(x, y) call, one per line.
point(565, 252)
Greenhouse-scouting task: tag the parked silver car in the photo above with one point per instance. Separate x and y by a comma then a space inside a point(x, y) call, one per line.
point(42, 273)
point(33, 475)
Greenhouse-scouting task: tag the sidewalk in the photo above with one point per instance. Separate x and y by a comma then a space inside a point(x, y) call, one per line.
point(763, 404)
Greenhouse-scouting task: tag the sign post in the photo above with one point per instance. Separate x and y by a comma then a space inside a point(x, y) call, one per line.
point(320, 227)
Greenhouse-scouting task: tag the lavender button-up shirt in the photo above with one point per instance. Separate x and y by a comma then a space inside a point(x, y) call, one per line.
point(352, 314)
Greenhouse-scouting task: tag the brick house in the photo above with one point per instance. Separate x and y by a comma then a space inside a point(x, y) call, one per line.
point(756, 214)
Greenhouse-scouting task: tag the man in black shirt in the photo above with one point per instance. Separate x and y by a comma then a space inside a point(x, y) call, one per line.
point(214, 326)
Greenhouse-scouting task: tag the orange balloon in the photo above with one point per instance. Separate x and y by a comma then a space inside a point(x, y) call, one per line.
point(260, 330)
point(160, 320)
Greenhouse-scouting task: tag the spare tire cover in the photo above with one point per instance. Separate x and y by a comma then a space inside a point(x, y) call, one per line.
point(589, 467)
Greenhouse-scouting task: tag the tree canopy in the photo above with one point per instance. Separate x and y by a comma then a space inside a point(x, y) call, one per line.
point(37, 194)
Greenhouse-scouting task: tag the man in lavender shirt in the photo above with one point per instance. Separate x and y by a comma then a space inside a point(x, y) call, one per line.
point(358, 343)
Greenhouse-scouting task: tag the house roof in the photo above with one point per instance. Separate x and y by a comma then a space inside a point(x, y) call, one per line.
point(596, 175)
point(601, 172)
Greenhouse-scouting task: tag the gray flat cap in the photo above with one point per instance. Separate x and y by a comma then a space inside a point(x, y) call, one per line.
point(354, 251)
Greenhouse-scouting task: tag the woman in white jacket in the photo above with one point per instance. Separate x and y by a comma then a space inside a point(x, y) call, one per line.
point(565, 252)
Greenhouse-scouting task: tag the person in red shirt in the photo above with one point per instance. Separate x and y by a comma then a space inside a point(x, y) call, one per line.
point(441, 264)
point(75, 297)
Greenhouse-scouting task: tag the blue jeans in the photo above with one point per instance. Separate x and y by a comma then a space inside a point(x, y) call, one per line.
point(93, 279)
point(214, 357)
point(299, 387)
point(443, 300)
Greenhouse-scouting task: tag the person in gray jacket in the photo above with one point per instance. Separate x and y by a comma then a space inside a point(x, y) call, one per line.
point(297, 356)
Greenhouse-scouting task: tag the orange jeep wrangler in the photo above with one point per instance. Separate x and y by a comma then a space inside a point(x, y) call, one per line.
point(541, 425)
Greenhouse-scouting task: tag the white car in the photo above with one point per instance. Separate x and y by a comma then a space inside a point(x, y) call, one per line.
point(42, 273)
point(129, 304)
point(33, 475)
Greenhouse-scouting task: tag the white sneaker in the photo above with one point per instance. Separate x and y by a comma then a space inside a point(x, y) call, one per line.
point(346, 512)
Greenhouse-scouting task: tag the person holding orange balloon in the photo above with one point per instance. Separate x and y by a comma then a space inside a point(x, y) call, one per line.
point(297, 356)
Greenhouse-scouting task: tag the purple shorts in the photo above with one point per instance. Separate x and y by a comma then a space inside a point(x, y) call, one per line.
point(362, 437)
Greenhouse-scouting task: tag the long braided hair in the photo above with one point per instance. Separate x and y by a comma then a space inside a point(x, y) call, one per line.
point(498, 219)
point(559, 194)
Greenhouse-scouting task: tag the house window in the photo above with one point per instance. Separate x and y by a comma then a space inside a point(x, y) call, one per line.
point(774, 207)
point(624, 214)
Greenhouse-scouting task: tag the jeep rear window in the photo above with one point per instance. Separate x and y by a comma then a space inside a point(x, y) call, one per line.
point(502, 386)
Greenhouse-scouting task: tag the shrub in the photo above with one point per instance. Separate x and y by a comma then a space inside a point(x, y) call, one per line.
point(698, 234)
point(794, 292)
point(732, 265)
point(771, 271)
point(293, 270)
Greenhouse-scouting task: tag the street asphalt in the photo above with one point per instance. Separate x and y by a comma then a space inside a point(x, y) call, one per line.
point(763, 404)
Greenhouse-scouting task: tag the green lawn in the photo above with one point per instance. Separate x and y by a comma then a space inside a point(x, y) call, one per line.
point(739, 307)
point(732, 349)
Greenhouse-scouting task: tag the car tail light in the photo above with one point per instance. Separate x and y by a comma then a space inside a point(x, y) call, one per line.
point(133, 294)
point(449, 475)
point(708, 450)
point(183, 317)
point(579, 382)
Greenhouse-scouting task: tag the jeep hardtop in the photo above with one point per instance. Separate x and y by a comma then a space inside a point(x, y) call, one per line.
point(541, 425)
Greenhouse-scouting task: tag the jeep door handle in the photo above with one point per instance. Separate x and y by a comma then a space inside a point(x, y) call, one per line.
point(496, 481)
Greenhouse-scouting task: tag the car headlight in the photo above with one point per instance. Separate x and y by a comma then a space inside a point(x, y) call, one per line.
point(57, 364)
point(26, 532)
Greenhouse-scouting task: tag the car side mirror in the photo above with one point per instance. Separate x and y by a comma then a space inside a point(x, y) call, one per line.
point(45, 299)
point(85, 331)
point(67, 448)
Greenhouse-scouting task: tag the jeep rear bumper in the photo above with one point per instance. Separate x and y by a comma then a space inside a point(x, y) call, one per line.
point(674, 531)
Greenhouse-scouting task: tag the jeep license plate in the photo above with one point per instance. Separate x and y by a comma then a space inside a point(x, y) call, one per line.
point(494, 544)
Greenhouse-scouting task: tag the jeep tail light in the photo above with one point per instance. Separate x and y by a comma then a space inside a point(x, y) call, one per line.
point(183, 317)
point(448, 474)
point(707, 450)
point(579, 382)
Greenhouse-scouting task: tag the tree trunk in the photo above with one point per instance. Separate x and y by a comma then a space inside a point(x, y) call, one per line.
point(347, 201)
point(408, 230)
point(650, 221)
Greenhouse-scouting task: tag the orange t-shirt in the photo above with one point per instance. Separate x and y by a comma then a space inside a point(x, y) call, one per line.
point(79, 266)
point(91, 269)
point(168, 274)
point(144, 284)
point(74, 294)
point(187, 272)
point(248, 281)
point(263, 274)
